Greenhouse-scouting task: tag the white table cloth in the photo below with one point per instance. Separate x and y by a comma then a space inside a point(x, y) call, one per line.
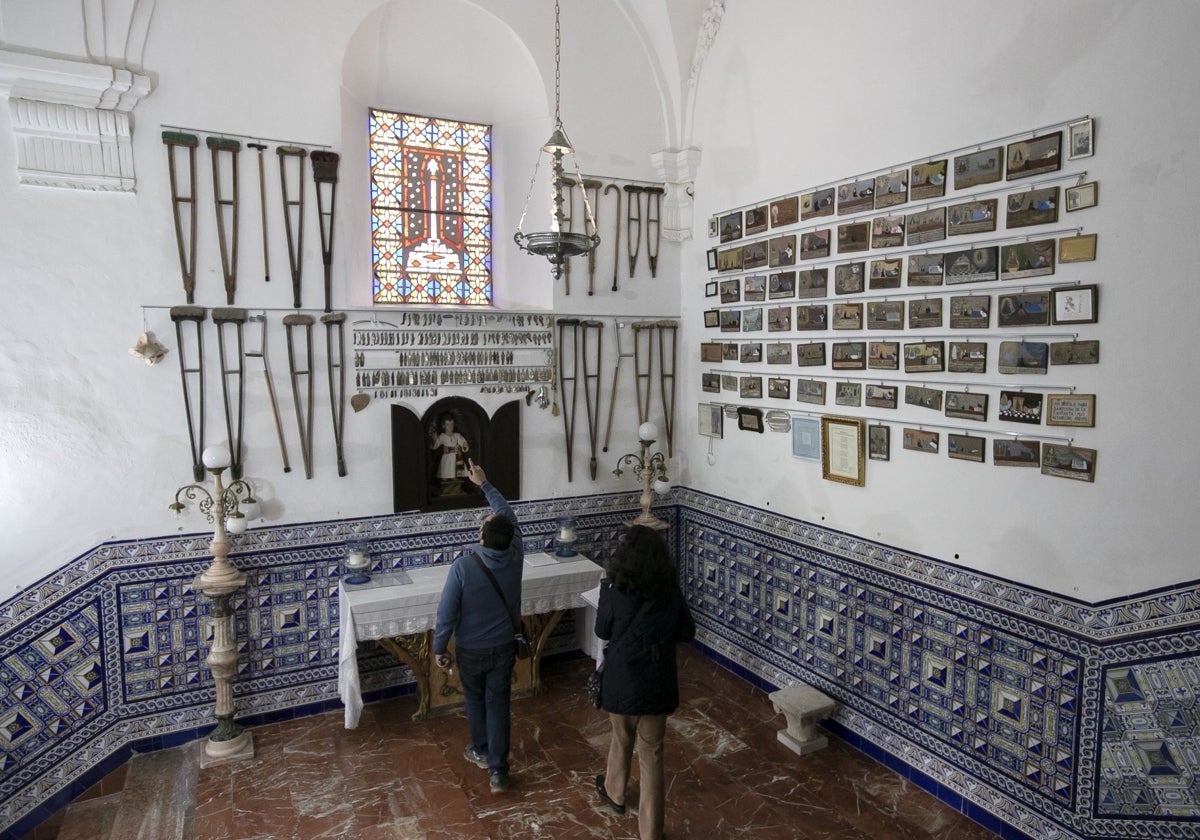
point(401, 603)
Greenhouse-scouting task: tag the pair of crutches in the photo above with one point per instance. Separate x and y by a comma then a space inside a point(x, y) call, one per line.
point(644, 345)
point(579, 352)
point(633, 223)
point(298, 329)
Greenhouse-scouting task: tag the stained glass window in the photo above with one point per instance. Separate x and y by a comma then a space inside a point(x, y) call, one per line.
point(431, 210)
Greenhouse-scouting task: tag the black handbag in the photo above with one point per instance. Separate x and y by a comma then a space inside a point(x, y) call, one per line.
point(524, 649)
point(595, 680)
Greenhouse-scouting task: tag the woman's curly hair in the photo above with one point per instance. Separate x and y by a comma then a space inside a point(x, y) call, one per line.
point(642, 565)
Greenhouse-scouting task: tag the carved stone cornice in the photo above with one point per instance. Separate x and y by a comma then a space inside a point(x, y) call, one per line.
point(677, 168)
point(71, 120)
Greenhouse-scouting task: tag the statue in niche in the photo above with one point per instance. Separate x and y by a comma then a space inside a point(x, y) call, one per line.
point(450, 450)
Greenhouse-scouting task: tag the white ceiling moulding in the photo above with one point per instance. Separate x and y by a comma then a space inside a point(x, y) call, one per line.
point(70, 120)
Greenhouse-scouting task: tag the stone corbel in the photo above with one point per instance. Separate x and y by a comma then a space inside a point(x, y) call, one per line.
point(71, 120)
point(678, 170)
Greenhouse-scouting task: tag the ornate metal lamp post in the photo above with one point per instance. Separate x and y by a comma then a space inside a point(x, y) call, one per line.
point(229, 509)
point(652, 470)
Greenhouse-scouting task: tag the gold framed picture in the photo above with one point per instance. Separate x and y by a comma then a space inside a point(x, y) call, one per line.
point(843, 450)
point(1077, 248)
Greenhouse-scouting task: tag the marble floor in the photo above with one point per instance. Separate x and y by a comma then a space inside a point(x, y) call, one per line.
point(727, 776)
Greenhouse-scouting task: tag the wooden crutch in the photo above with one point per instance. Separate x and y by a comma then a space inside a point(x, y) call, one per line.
point(612, 394)
point(293, 213)
point(175, 140)
point(335, 342)
point(592, 185)
point(262, 204)
point(633, 224)
point(653, 214)
point(666, 368)
point(192, 372)
point(616, 258)
point(261, 353)
point(222, 317)
point(227, 225)
point(570, 325)
point(568, 223)
point(591, 385)
point(642, 380)
point(325, 167)
point(302, 398)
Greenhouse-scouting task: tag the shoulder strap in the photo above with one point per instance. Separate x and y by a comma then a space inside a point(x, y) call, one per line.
point(499, 591)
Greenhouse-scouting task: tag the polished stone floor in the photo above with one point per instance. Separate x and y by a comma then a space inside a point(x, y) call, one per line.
point(727, 776)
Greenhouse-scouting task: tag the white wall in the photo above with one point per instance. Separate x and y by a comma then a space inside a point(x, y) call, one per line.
point(796, 95)
point(93, 442)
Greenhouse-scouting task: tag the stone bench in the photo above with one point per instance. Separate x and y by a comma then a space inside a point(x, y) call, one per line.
point(803, 706)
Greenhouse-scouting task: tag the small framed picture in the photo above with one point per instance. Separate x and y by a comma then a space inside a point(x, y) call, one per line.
point(847, 316)
point(731, 320)
point(710, 383)
point(812, 282)
point(1075, 304)
point(1032, 207)
point(925, 269)
point(855, 196)
point(1077, 248)
point(972, 217)
point(731, 226)
point(924, 356)
point(779, 353)
point(928, 180)
point(731, 291)
point(1023, 309)
point(810, 391)
point(750, 387)
point(816, 204)
point(781, 284)
point(754, 255)
point(729, 382)
point(967, 405)
point(1082, 196)
point(983, 167)
point(883, 355)
point(879, 442)
point(1021, 407)
point(810, 355)
point(884, 314)
point(1071, 410)
point(712, 318)
point(781, 251)
point(972, 265)
point(712, 420)
point(885, 274)
point(919, 440)
point(785, 211)
point(806, 438)
point(730, 259)
point(848, 394)
point(1023, 357)
point(849, 355)
point(1035, 156)
point(710, 351)
point(729, 351)
point(750, 352)
point(779, 388)
point(891, 189)
point(923, 397)
point(967, 357)
point(752, 319)
point(1066, 461)
point(714, 226)
point(881, 396)
point(750, 419)
point(843, 450)
point(969, 312)
point(888, 231)
point(812, 317)
point(853, 236)
point(814, 245)
point(779, 319)
point(848, 278)
point(1075, 352)
point(924, 313)
point(1080, 140)
point(926, 226)
point(1027, 259)
point(756, 220)
point(754, 287)
point(966, 447)
point(710, 289)
point(711, 253)
point(1016, 453)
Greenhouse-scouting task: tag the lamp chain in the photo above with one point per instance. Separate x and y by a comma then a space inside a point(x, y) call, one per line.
point(557, 73)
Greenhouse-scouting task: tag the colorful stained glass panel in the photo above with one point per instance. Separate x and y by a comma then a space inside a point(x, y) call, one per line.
point(431, 210)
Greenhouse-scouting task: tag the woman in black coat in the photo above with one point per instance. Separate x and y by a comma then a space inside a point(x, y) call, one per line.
point(642, 613)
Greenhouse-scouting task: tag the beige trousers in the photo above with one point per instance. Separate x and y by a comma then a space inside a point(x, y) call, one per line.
point(649, 732)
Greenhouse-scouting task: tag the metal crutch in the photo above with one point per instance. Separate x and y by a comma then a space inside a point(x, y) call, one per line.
point(262, 204)
point(227, 226)
point(633, 223)
point(293, 207)
point(642, 380)
point(666, 368)
point(222, 316)
point(334, 361)
point(325, 167)
point(261, 318)
point(612, 395)
point(591, 386)
point(653, 212)
point(568, 412)
point(195, 414)
point(616, 253)
point(187, 250)
point(304, 403)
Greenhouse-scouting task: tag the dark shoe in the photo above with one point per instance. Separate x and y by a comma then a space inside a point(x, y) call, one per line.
point(499, 782)
point(604, 797)
point(475, 757)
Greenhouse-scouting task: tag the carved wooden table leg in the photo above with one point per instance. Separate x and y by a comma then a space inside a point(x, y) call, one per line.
point(414, 651)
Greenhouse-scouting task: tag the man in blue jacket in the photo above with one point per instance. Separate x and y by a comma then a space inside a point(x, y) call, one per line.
point(471, 610)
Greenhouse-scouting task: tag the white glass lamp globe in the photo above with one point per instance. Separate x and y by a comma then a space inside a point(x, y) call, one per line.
point(662, 486)
point(236, 523)
point(216, 457)
point(647, 432)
